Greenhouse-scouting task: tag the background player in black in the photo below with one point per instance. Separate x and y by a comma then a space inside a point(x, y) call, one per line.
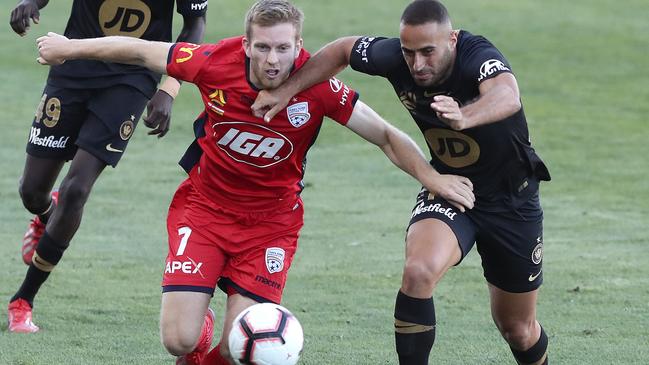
point(460, 91)
point(87, 114)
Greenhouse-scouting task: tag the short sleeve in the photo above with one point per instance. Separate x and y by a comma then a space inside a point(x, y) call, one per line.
point(191, 8)
point(337, 99)
point(185, 60)
point(376, 55)
point(482, 61)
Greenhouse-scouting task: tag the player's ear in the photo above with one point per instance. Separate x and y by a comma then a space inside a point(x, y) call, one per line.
point(298, 47)
point(246, 46)
point(453, 38)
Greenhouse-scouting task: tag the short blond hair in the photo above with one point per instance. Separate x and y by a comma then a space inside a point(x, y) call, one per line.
point(267, 13)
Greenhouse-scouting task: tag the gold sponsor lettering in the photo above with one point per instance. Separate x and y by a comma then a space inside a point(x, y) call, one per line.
point(453, 148)
point(129, 18)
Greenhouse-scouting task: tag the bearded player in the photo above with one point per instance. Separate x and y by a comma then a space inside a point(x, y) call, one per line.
point(460, 91)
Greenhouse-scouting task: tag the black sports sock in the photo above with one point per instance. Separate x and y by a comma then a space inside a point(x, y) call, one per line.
point(414, 329)
point(535, 353)
point(48, 253)
point(33, 280)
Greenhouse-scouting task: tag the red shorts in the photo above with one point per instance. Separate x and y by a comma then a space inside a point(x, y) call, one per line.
point(249, 253)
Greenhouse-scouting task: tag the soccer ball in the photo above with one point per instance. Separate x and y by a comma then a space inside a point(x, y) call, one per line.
point(266, 334)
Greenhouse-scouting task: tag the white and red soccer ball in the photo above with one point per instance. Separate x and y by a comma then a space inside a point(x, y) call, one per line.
point(266, 334)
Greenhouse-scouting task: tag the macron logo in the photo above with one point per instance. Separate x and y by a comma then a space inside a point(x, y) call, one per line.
point(200, 6)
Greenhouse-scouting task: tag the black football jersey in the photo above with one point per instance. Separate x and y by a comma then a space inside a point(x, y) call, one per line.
point(497, 157)
point(145, 19)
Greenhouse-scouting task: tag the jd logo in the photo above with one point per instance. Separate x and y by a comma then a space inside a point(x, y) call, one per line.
point(124, 17)
point(453, 148)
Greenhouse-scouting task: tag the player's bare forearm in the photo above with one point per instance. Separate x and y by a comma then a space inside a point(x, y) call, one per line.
point(327, 62)
point(56, 49)
point(128, 50)
point(397, 146)
point(405, 154)
point(499, 99)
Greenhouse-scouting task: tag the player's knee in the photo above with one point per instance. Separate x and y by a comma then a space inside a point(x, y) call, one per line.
point(178, 345)
point(34, 199)
point(518, 334)
point(422, 273)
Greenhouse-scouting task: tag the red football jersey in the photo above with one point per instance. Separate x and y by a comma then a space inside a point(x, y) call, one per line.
point(247, 164)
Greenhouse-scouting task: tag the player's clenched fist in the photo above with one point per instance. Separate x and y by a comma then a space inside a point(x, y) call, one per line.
point(52, 48)
point(449, 112)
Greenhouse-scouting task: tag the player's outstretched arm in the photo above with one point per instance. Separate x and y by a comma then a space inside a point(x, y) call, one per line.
point(499, 99)
point(23, 12)
point(327, 62)
point(406, 155)
point(158, 110)
point(54, 49)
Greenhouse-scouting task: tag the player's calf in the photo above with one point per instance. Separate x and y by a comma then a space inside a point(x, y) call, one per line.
point(535, 355)
point(36, 229)
point(40, 203)
point(196, 354)
point(414, 329)
point(48, 254)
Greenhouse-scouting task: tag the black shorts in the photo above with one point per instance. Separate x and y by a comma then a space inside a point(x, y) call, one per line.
point(510, 242)
point(99, 121)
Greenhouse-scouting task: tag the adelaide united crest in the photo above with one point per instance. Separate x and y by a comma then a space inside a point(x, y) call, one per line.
point(275, 259)
point(298, 114)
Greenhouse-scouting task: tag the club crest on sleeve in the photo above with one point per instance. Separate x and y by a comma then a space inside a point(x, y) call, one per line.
point(275, 259)
point(298, 114)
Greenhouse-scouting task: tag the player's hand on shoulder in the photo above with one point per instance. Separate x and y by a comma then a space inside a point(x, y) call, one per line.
point(158, 114)
point(268, 104)
point(449, 112)
point(51, 49)
point(457, 190)
point(21, 15)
